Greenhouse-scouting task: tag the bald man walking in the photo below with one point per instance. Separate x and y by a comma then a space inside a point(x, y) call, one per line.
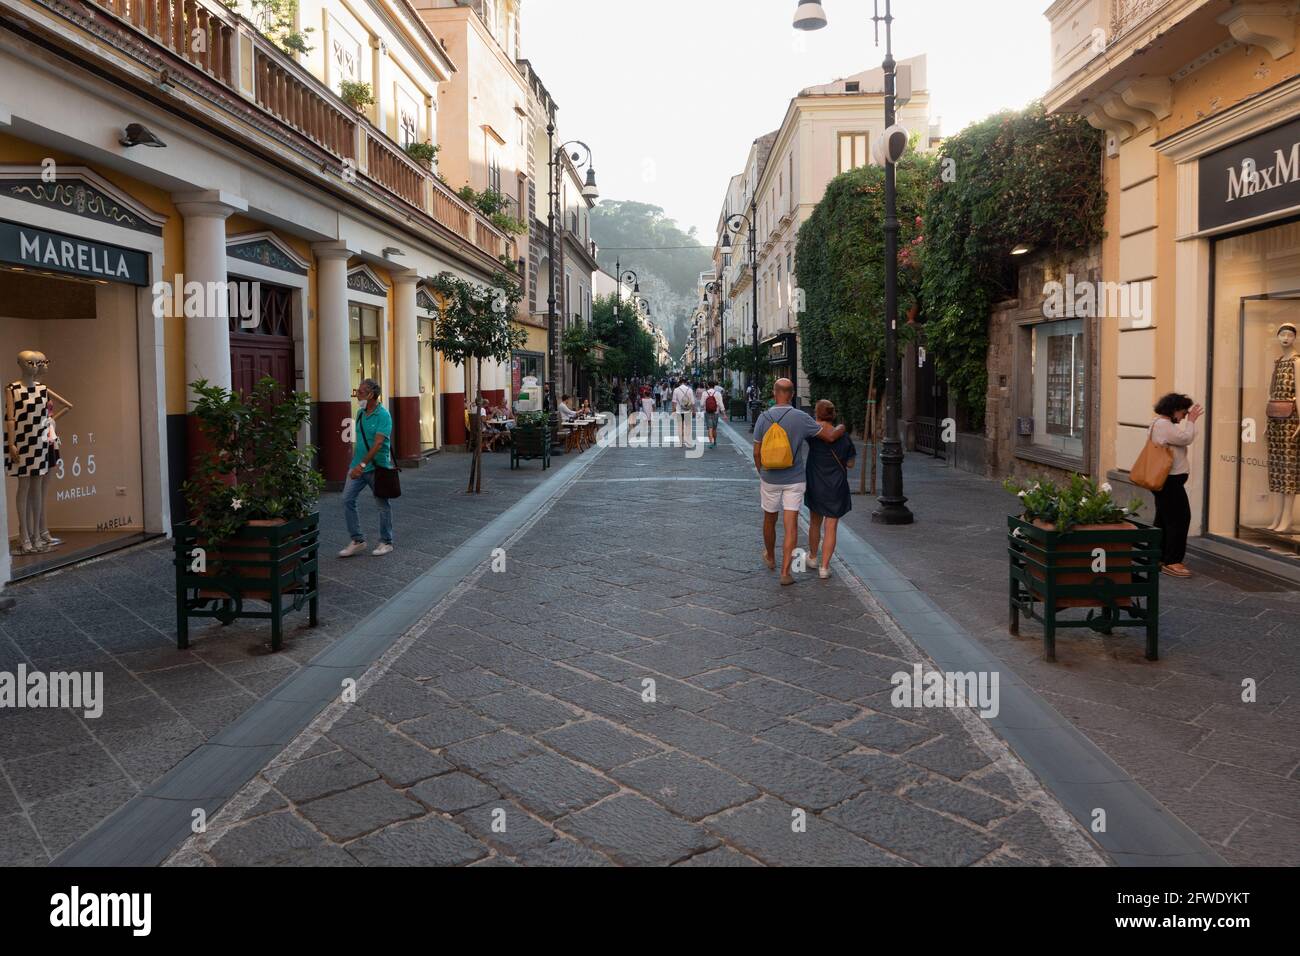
point(781, 490)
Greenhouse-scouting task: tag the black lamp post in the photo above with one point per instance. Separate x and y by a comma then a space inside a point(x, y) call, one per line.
point(733, 225)
point(893, 504)
point(622, 276)
point(589, 191)
point(716, 288)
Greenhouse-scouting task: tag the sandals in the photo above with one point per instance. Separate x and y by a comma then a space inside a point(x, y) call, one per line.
point(1175, 571)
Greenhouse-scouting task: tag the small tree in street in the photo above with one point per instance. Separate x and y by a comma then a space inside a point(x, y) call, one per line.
point(473, 325)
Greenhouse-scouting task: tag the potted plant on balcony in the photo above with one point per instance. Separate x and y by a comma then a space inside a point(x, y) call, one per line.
point(252, 534)
point(356, 95)
point(426, 153)
point(1074, 546)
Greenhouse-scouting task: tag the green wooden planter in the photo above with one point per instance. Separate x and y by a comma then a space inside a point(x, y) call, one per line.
point(276, 565)
point(1051, 571)
point(737, 409)
point(529, 443)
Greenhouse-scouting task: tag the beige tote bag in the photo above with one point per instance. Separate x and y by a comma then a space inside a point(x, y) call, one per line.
point(1151, 470)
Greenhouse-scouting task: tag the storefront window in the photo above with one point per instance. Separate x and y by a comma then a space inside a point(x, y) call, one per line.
point(363, 327)
point(428, 389)
point(1058, 385)
point(80, 339)
point(1254, 470)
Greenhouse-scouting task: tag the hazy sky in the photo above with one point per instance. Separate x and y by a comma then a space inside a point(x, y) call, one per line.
point(671, 93)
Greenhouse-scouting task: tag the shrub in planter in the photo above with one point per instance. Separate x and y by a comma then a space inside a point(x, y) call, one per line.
point(251, 497)
point(356, 95)
point(426, 154)
point(1079, 506)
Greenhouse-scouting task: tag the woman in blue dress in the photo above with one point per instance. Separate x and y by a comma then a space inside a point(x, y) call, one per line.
point(828, 497)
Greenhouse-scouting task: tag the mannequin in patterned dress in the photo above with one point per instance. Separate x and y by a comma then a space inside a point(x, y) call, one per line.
point(31, 409)
point(1284, 434)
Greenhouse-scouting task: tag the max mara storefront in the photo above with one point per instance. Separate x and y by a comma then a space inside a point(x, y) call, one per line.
point(1237, 321)
point(78, 259)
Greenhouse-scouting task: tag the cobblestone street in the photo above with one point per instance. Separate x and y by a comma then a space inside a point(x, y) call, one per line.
point(637, 689)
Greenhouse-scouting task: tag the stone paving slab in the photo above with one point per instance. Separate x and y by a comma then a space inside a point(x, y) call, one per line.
point(116, 615)
point(700, 731)
point(1229, 769)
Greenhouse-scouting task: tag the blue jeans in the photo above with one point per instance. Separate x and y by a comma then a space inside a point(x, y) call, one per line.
point(350, 494)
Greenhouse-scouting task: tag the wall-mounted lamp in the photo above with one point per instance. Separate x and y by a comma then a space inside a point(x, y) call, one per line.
point(137, 134)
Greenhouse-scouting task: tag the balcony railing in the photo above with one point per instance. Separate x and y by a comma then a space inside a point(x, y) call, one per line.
point(180, 25)
point(284, 89)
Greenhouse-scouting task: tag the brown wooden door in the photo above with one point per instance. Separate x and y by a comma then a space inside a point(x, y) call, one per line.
point(267, 349)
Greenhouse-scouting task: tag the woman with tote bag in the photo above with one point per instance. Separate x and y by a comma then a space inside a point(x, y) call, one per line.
point(1166, 452)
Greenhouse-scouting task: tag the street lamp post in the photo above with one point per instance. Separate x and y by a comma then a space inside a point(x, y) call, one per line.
point(893, 508)
point(734, 224)
point(716, 288)
point(589, 191)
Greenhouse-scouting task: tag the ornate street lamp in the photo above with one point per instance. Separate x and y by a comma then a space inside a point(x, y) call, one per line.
point(893, 504)
point(621, 276)
point(589, 191)
point(733, 225)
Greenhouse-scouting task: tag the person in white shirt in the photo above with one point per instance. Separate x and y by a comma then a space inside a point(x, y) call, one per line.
point(684, 411)
point(567, 414)
point(711, 419)
point(1175, 429)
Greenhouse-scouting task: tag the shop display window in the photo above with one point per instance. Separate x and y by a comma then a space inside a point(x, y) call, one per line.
point(1254, 436)
point(363, 330)
point(1058, 390)
point(87, 373)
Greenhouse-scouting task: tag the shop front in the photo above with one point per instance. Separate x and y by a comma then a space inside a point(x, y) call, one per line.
point(1239, 254)
point(84, 470)
point(783, 361)
point(426, 328)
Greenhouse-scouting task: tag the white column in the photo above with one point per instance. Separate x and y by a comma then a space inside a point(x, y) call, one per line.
point(334, 384)
point(335, 381)
point(408, 355)
point(207, 335)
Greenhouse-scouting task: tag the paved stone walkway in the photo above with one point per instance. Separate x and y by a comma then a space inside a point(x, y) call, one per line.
point(60, 774)
point(637, 689)
point(1228, 769)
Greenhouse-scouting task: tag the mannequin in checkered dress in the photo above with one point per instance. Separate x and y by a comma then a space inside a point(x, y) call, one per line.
point(30, 410)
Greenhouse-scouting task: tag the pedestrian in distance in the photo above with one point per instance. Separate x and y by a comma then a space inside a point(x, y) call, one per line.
point(684, 413)
point(780, 436)
point(713, 402)
point(370, 448)
point(1175, 429)
point(828, 496)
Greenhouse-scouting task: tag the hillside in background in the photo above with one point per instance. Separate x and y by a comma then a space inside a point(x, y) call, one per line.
point(667, 260)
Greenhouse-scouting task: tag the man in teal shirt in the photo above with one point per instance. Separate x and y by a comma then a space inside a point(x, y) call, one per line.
point(370, 447)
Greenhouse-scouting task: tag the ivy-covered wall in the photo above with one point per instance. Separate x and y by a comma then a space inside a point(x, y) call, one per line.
point(1016, 178)
point(840, 265)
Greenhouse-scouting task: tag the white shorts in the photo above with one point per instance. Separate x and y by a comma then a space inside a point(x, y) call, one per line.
point(778, 498)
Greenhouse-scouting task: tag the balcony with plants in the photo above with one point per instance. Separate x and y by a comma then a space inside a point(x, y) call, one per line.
point(256, 60)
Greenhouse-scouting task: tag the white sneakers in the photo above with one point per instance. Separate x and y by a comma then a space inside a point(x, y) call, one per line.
point(359, 547)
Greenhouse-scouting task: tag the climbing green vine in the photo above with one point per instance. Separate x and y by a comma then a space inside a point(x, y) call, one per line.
point(1016, 178)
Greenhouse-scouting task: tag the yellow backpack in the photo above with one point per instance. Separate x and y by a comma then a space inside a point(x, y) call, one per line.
point(776, 452)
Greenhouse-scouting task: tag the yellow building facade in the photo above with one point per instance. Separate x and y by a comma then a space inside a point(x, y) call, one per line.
point(198, 203)
point(1200, 101)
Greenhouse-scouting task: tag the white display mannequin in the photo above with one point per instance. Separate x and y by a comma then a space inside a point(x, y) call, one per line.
point(1282, 524)
point(34, 536)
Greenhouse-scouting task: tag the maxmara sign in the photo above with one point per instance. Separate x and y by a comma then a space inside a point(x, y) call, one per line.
point(40, 250)
point(1255, 177)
